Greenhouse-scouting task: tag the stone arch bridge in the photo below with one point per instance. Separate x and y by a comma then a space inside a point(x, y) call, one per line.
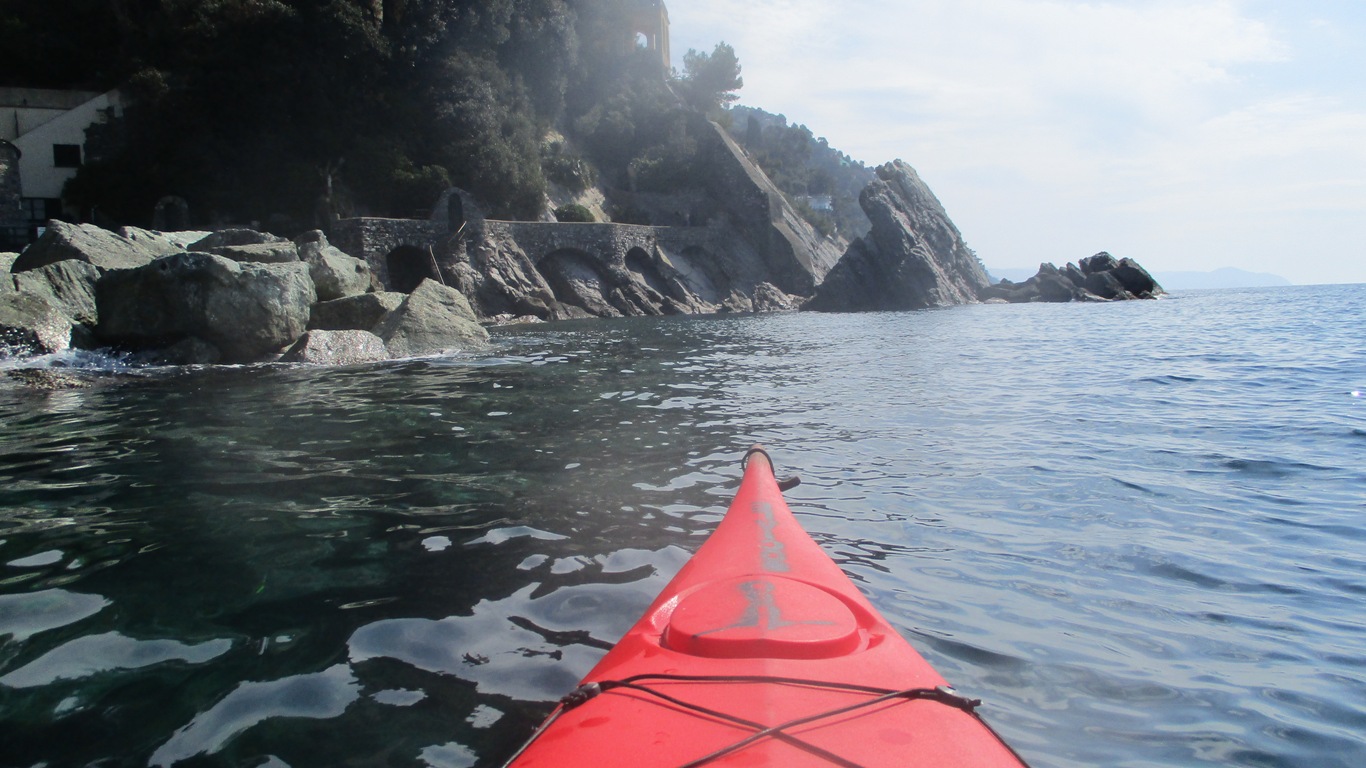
point(603, 269)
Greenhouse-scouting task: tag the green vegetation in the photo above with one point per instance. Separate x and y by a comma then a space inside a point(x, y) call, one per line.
point(808, 170)
point(290, 112)
point(311, 108)
point(574, 212)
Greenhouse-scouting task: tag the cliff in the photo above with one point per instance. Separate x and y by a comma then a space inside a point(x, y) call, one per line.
point(914, 257)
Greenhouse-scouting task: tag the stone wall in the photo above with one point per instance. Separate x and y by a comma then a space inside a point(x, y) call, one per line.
point(374, 239)
point(13, 222)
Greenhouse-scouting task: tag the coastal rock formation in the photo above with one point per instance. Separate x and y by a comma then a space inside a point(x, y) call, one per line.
point(245, 310)
point(337, 348)
point(244, 298)
point(31, 325)
point(354, 312)
point(914, 257)
point(431, 320)
point(771, 298)
point(160, 243)
point(100, 248)
point(1098, 278)
point(335, 275)
point(68, 285)
point(259, 253)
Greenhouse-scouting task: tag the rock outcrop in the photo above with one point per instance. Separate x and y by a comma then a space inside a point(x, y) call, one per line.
point(354, 312)
point(335, 274)
point(245, 310)
point(337, 348)
point(1098, 278)
point(68, 285)
point(914, 257)
point(431, 320)
point(100, 248)
point(31, 325)
point(242, 296)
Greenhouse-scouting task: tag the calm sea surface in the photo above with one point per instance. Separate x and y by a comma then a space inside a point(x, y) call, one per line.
point(1137, 531)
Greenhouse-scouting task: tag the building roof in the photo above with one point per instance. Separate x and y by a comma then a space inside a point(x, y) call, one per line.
point(43, 98)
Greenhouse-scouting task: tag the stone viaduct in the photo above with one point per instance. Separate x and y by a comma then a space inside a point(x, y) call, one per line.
point(403, 252)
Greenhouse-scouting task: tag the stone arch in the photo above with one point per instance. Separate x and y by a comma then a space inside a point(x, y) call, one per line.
point(578, 280)
point(407, 266)
point(699, 272)
point(643, 268)
point(650, 25)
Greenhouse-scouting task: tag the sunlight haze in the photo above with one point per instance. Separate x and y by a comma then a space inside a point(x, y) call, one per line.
point(1186, 135)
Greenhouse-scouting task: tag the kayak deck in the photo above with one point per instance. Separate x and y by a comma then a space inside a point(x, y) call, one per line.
point(761, 652)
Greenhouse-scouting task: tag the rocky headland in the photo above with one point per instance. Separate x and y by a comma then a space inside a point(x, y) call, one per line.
point(1101, 277)
point(380, 289)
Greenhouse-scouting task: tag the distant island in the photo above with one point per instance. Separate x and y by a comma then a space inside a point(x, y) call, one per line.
point(1227, 277)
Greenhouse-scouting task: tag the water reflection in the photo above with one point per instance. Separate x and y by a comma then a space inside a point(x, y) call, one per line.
point(293, 566)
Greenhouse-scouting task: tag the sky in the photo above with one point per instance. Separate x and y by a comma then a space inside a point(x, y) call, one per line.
point(1185, 134)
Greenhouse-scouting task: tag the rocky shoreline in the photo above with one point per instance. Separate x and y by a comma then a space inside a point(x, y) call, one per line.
point(243, 296)
point(233, 296)
point(1101, 277)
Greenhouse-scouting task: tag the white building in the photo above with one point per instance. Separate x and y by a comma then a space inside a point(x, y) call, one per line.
point(48, 127)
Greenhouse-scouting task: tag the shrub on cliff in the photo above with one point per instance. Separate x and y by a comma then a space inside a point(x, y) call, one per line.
point(573, 212)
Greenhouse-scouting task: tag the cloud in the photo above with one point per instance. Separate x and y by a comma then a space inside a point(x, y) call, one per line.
point(1121, 113)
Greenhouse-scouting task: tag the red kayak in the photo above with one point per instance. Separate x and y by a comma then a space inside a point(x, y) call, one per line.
point(761, 652)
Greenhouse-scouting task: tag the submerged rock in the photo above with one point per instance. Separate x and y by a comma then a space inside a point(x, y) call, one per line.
point(49, 380)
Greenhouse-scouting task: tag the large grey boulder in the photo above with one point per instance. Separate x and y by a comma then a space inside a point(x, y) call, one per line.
point(6, 261)
point(337, 348)
point(156, 243)
point(101, 248)
point(238, 236)
point(354, 312)
point(432, 319)
point(335, 274)
point(68, 285)
point(914, 257)
point(259, 253)
point(31, 325)
point(185, 238)
point(246, 310)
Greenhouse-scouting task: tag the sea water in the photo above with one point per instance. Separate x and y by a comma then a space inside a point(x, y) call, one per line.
point(1137, 531)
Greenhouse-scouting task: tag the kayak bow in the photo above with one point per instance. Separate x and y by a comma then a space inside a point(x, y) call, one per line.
point(761, 652)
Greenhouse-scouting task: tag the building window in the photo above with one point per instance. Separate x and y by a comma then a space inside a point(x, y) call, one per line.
point(39, 209)
point(66, 155)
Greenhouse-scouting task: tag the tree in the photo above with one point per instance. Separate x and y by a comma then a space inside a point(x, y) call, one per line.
point(710, 81)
